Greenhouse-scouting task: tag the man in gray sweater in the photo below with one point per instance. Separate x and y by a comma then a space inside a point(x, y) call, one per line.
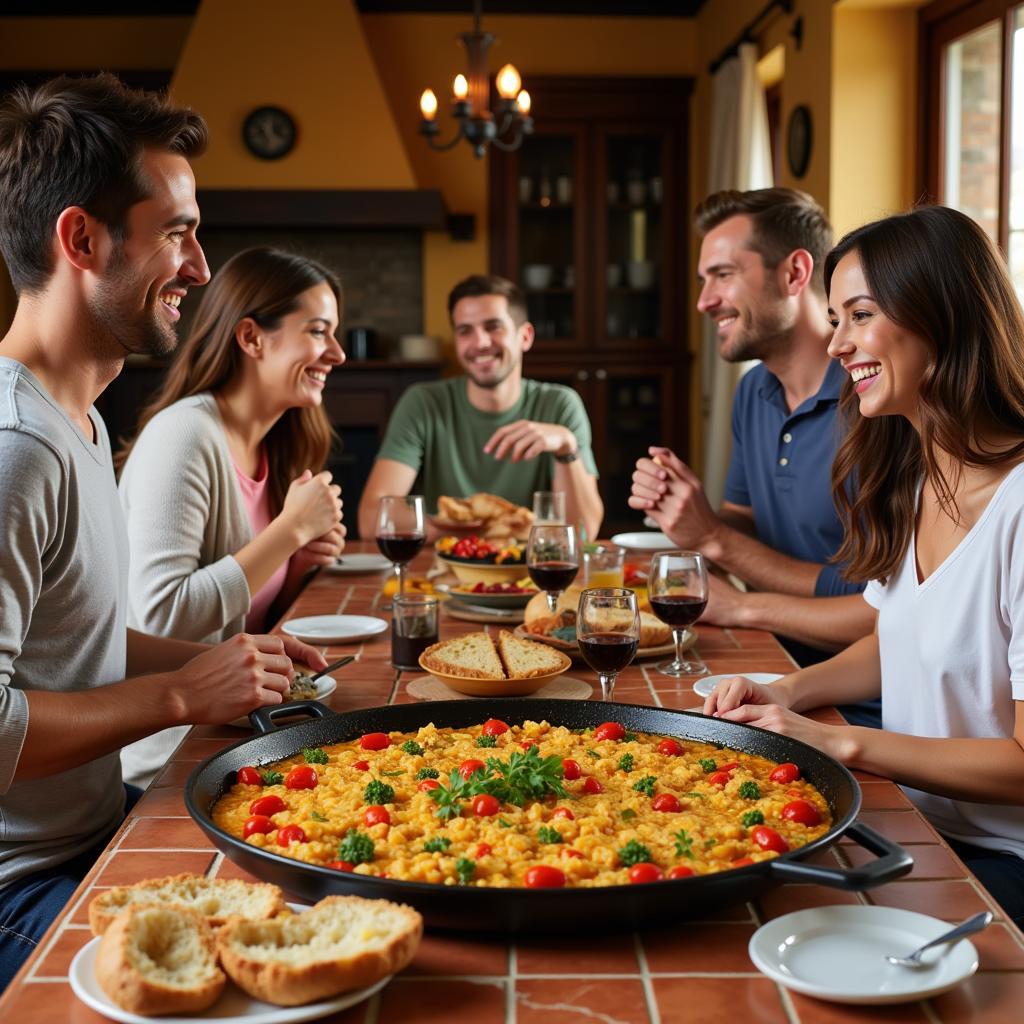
point(98, 230)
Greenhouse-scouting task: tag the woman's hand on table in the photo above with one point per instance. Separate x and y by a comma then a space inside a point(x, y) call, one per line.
point(322, 550)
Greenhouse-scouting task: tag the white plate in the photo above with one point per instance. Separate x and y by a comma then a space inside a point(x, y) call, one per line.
point(325, 686)
point(838, 953)
point(644, 541)
point(335, 629)
point(233, 1006)
point(360, 563)
point(703, 686)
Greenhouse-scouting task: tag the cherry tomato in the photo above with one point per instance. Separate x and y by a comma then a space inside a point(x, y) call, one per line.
point(267, 805)
point(374, 741)
point(290, 834)
point(340, 865)
point(302, 776)
point(803, 812)
point(730, 767)
point(591, 785)
point(428, 784)
point(494, 727)
point(563, 812)
point(669, 748)
point(680, 871)
point(526, 744)
point(362, 766)
point(719, 778)
point(376, 815)
point(258, 823)
point(742, 862)
point(666, 802)
point(609, 731)
point(250, 777)
point(543, 876)
point(785, 773)
point(568, 851)
point(768, 839)
point(469, 766)
point(570, 769)
point(481, 851)
point(645, 872)
point(485, 805)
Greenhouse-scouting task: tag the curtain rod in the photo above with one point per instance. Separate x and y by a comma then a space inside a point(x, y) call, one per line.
point(747, 33)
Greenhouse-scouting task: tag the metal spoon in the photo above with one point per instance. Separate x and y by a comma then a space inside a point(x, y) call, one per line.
point(969, 927)
point(333, 665)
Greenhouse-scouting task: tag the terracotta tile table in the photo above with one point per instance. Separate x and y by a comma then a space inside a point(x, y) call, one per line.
point(698, 972)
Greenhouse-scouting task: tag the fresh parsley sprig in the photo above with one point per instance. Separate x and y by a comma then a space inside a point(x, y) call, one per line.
point(356, 847)
point(378, 792)
point(314, 755)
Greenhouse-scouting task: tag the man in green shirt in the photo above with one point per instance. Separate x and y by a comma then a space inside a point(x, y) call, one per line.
point(488, 430)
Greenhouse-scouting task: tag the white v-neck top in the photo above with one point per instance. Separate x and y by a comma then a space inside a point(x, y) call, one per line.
point(952, 655)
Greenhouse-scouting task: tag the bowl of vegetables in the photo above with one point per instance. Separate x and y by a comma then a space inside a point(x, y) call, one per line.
point(478, 560)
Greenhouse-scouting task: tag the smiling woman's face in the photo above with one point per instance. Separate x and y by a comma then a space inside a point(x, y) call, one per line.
point(885, 361)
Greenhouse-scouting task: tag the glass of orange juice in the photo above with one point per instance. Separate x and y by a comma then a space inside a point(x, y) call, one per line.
point(603, 566)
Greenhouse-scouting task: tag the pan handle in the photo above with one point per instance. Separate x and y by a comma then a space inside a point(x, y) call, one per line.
point(893, 861)
point(263, 718)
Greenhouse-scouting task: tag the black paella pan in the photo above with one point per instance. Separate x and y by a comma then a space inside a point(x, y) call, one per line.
point(528, 910)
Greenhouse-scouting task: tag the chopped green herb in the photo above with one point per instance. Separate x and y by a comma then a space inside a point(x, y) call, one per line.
point(356, 847)
point(694, 792)
point(504, 823)
point(449, 796)
point(628, 813)
point(271, 778)
point(684, 844)
point(751, 818)
point(427, 773)
point(645, 785)
point(630, 737)
point(392, 775)
point(317, 816)
point(626, 763)
point(464, 868)
point(593, 753)
point(708, 764)
point(549, 835)
point(525, 776)
point(708, 843)
point(577, 732)
point(634, 853)
point(750, 790)
point(314, 755)
point(487, 741)
point(437, 845)
point(378, 792)
point(412, 747)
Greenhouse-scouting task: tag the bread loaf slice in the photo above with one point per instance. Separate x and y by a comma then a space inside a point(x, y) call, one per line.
point(159, 960)
point(216, 899)
point(524, 659)
point(342, 943)
point(470, 656)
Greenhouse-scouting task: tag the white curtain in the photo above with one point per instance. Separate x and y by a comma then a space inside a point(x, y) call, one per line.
point(739, 158)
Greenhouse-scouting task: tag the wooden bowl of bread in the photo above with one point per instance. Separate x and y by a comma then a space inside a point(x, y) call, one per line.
point(477, 665)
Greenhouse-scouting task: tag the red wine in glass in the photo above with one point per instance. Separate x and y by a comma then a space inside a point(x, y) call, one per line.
point(678, 609)
point(677, 587)
point(608, 653)
point(552, 576)
point(401, 530)
point(400, 548)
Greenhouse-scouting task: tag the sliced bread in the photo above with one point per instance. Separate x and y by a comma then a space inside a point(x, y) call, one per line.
point(342, 943)
point(216, 899)
point(159, 960)
point(525, 659)
point(471, 656)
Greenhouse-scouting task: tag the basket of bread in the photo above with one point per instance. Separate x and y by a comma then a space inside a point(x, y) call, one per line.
point(511, 666)
point(485, 514)
point(181, 944)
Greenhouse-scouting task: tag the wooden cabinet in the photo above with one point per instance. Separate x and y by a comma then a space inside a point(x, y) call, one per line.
point(590, 217)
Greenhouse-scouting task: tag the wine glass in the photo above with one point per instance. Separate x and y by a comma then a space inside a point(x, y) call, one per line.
point(401, 532)
point(677, 587)
point(549, 508)
point(552, 559)
point(608, 632)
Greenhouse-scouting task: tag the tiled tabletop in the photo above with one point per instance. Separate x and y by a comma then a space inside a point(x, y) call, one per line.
point(698, 971)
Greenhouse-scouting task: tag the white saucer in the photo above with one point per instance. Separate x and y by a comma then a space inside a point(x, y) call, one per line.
point(325, 686)
point(703, 686)
point(644, 541)
point(335, 629)
point(838, 953)
point(355, 563)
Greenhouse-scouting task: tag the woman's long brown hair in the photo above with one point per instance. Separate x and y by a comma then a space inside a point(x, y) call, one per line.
point(264, 285)
point(936, 274)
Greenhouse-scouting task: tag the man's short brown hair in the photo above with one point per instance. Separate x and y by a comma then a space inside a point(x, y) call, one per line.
point(784, 220)
point(78, 142)
point(490, 284)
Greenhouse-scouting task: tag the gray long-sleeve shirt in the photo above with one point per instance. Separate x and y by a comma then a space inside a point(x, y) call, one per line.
point(63, 595)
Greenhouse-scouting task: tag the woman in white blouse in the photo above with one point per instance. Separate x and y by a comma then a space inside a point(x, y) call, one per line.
point(929, 327)
point(223, 489)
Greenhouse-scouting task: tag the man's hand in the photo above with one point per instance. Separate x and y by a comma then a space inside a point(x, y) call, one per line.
point(673, 496)
point(725, 603)
point(525, 440)
point(303, 653)
point(322, 550)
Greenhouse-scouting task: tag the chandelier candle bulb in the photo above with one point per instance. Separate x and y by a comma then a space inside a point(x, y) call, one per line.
point(428, 105)
point(508, 82)
point(460, 87)
point(523, 102)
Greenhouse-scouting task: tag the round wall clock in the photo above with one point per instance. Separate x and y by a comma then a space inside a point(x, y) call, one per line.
point(799, 138)
point(269, 133)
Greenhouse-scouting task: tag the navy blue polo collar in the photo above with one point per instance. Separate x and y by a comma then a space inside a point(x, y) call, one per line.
point(831, 387)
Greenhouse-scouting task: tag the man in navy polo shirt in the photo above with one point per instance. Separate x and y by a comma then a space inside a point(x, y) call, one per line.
point(777, 529)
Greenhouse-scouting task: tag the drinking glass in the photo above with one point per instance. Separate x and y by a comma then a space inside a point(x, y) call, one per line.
point(608, 632)
point(401, 532)
point(552, 560)
point(677, 587)
point(604, 567)
point(548, 508)
point(413, 628)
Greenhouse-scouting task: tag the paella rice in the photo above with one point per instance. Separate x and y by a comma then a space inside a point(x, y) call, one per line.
point(526, 805)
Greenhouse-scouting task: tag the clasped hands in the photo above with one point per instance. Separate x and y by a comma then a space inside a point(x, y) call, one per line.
point(526, 439)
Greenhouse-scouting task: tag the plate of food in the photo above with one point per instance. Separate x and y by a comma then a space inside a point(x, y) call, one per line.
point(475, 559)
point(303, 688)
point(171, 948)
point(503, 594)
point(488, 514)
point(476, 664)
